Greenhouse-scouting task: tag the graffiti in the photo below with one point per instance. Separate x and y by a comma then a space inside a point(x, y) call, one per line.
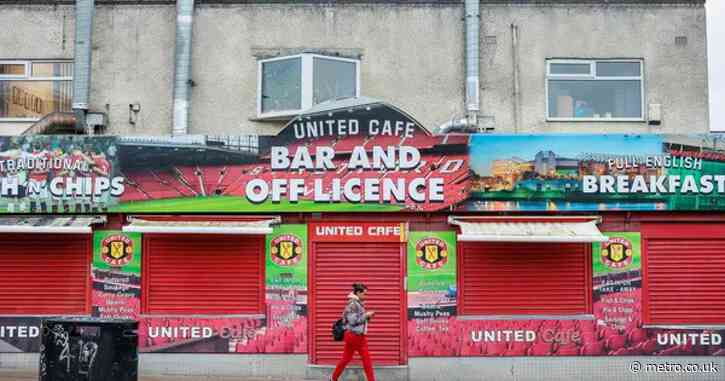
point(61, 340)
point(86, 356)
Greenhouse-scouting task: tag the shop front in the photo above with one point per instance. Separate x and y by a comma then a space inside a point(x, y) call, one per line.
point(472, 245)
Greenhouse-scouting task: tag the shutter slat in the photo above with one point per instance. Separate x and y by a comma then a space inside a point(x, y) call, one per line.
point(47, 274)
point(524, 278)
point(336, 267)
point(685, 279)
point(215, 274)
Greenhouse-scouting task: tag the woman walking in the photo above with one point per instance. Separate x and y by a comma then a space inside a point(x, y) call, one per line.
point(356, 328)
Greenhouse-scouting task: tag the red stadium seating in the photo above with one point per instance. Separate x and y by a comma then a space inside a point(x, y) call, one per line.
point(592, 348)
point(347, 144)
point(173, 181)
point(211, 176)
point(209, 180)
point(192, 177)
point(540, 349)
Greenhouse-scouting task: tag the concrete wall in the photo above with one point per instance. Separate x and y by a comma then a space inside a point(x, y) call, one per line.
point(675, 76)
point(133, 63)
point(412, 56)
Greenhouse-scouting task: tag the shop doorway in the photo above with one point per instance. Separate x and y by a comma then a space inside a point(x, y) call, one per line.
point(337, 261)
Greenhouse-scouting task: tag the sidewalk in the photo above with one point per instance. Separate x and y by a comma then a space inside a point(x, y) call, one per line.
point(25, 376)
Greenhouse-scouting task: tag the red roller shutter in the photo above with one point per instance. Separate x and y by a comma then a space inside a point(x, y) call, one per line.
point(203, 274)
point(502, 278)
point(684, 274)
point(42, 274)
point(335, 267)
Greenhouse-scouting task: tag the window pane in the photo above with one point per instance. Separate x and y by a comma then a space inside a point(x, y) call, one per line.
point(281, 85)
point(595, 99)
point(12, 69)
point(34, 99)
point(52, 69)
point(333, 80)
point(618, 69)
point(558, 68)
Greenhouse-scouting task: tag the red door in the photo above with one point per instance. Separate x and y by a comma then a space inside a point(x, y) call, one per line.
point(335, 266)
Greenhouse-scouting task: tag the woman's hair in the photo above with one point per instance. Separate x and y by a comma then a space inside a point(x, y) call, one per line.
point(358, 287)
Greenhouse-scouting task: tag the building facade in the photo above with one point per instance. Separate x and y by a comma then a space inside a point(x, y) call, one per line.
point(230, 223)
point(479, 249)
point(551, 66)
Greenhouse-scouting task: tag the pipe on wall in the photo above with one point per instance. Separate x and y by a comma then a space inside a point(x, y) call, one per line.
point(516, 78)
point(473, 20)
point(82, 62)
point(182, 66)
point(469, 123)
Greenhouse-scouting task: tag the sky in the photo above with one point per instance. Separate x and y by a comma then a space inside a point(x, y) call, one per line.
point(716, 53)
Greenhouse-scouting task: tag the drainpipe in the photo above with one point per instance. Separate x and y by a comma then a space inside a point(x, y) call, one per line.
point(82, 62)
point(516, 77)
point(472, 23)
point(182, 66)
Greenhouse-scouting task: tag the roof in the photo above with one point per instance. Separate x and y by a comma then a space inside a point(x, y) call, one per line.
point(261, 226)
point(47, 224)
point(532, 229)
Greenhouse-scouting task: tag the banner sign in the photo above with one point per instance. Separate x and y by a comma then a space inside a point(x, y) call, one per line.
point(358, 232)
point(19, 334)
point(596, 172)
point(116, 275)
point(365, 163)
point(58, 174)
point(431, 286)
point(367, 157)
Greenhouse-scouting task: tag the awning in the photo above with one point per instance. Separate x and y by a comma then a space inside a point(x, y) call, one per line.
point(50, 224)
point(140, 225)
point(528, 229)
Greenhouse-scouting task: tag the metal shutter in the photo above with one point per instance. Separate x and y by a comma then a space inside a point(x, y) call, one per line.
point(336, 266)
point(684, 277)
point(502, 278)
point(203, 274)
point(43, 274)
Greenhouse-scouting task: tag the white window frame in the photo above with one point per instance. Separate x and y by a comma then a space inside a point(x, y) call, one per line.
point(306, 82)
point(28, 76)
point(593, 76)
point(26, 72)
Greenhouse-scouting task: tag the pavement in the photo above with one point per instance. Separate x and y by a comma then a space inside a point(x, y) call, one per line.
point(25, 376)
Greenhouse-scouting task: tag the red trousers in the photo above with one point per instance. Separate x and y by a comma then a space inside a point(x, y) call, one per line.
point(355, 343)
